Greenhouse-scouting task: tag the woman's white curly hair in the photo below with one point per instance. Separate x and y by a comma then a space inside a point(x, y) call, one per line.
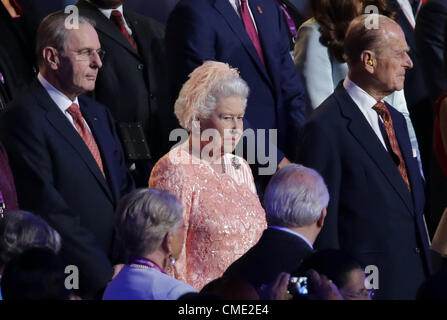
point(206, 84)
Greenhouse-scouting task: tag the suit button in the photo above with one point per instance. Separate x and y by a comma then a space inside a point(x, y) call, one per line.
point(417, 250)
point(140, 67)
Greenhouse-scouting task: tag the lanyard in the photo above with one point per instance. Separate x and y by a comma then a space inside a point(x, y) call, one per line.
point(2, 205)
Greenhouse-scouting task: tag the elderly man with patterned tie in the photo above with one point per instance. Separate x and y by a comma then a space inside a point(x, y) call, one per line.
point(66, 158)
point(361, 147)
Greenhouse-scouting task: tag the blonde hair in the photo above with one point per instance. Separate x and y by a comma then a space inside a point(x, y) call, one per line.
point(206, 84)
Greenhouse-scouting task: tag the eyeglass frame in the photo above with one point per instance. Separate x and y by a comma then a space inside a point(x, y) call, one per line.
point(87, 53)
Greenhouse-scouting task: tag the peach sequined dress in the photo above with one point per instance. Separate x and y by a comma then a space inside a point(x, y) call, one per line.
point(223, 215)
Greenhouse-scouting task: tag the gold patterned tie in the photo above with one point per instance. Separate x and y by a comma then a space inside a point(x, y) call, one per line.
point(382, 110)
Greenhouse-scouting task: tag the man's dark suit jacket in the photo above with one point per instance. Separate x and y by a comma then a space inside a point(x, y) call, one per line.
point(431, 24)
point(276, 251)
point(200, 30)
point(371, 213)
point(17, 48)
point(57, 178)
point(430, 34)
point(134, 85)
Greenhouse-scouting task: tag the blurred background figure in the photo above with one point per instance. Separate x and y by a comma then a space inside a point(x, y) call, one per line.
point(342, 269)
point(18, 22)
point(295, 202)
point(20, 230)
point(8, 195)
point(415, 87)
point(156, 9)
point(133, 81)
point(222, 212)
point(430, 34)
point(439, 182)
point(36, 274)
point(151, 228)
point(431, 22)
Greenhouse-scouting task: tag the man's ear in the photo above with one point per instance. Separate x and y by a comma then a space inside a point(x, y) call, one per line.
point(320, 221)
point(51, 58)
point(368, 61)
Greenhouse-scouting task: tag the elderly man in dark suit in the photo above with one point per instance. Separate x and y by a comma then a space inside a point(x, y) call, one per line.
point(133, 81)
point(251, 36)
point(66, 158)
point(295, 204)
point(361, 147)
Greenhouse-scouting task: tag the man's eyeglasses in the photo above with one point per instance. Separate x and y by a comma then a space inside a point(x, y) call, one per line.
point(87, 54)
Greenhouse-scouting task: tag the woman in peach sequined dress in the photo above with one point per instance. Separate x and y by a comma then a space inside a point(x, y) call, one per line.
point(223, 215)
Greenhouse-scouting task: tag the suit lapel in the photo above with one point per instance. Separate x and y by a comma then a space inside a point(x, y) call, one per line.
point(414, 176)
point(367, 138)
point(236, 24)
point(67, 131)
point(140, 34)
point(94, 122)
point(105, 26)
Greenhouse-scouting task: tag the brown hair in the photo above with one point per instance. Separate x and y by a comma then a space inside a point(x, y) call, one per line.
point(334, 17)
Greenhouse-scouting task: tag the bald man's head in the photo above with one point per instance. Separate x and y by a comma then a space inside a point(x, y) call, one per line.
point(360, 36)
point(377, 57)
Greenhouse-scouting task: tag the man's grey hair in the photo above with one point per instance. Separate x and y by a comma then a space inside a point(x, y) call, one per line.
point(52, 32)
point(295, 197)
point(361, 37)
point(21, 230)
point(145, 216)
point(207, 84)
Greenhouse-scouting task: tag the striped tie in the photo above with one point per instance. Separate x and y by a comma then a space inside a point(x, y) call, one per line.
point(85, 134)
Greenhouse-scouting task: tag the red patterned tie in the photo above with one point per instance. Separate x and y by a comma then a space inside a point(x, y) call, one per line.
point(251, 30)
point(117, 18)
point(382, 110)
point(85, 134)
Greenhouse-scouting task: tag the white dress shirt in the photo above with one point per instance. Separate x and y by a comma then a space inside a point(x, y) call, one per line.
point(365, 102)
point(236, 4)
point(292, 232)
point(408, 11)
point(60, 99)
point(108, 14)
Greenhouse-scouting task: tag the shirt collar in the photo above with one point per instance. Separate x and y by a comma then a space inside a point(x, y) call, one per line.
point(60, 99)
point(292, 232)
point(361, 98)
point(108, 12)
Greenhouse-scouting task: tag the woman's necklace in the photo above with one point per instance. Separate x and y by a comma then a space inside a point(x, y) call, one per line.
point(143, 263)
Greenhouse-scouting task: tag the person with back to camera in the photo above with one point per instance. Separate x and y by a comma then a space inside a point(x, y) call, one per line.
point(342, 269)
point(20, 230)
point(151, 228)
point(222, 212)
